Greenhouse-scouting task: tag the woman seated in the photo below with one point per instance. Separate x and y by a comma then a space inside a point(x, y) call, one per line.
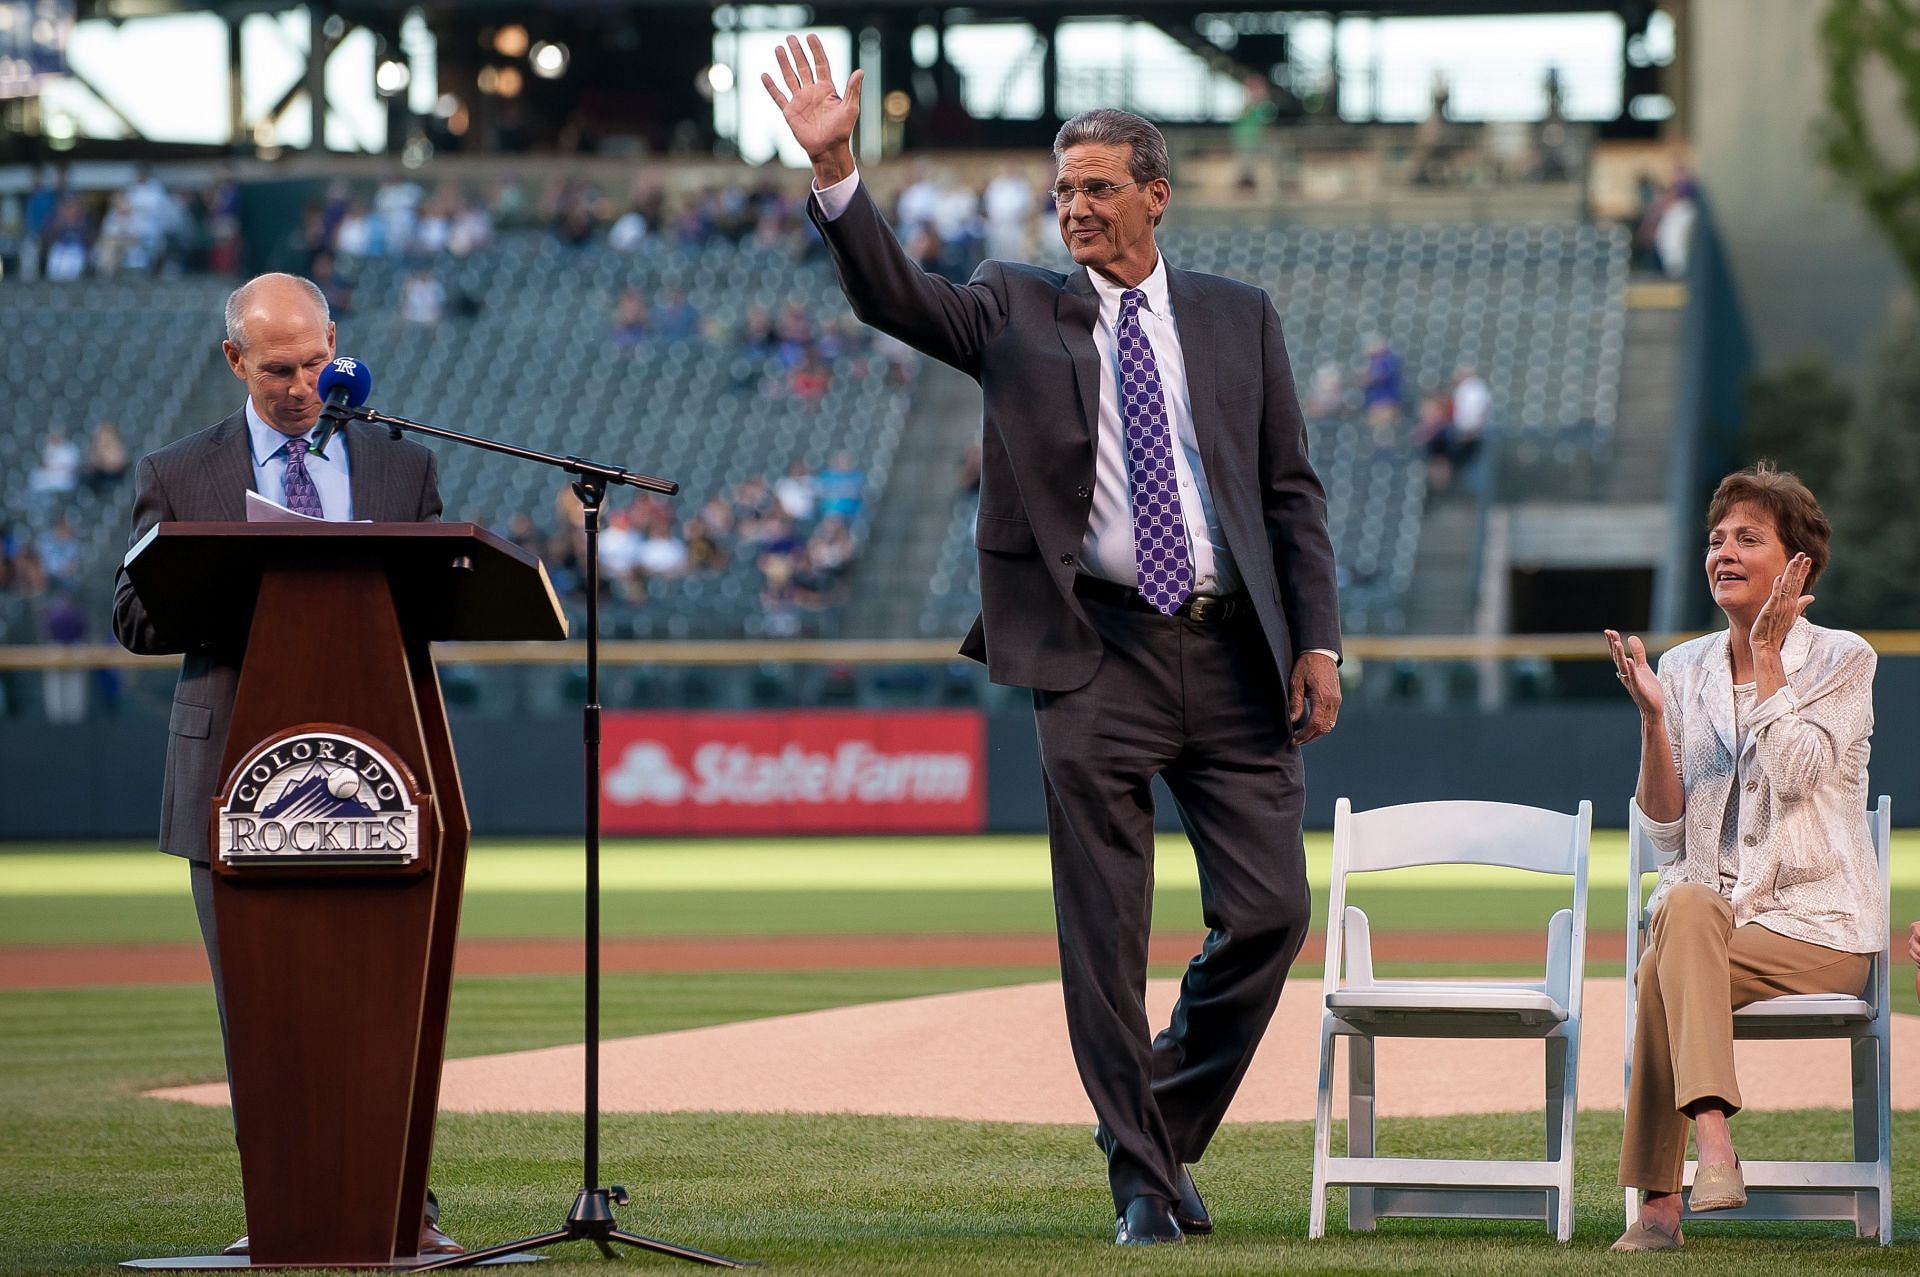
point(1753, 774)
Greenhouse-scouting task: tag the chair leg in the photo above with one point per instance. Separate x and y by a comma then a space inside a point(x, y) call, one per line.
point(1872, 1118)
point(1322, 1134)
point(1360, 1117)
point(1560, 1114)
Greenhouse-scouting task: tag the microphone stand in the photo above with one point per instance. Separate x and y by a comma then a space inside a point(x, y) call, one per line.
point(591, 1218)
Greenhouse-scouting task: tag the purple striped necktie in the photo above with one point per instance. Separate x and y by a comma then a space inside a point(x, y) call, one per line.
point(1162, 565)
point(302, 496)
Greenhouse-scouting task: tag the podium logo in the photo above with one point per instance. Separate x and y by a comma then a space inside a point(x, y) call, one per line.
point(318, 798)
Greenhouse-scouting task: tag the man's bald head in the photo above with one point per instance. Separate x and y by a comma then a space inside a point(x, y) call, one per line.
point(279, 337)
point(276, 297)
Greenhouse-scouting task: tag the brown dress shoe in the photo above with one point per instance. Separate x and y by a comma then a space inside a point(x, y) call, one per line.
point(435, 1242)
point(1643, 1236)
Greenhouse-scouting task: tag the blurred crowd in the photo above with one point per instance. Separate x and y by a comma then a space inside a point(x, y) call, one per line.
point(795, 530)
point(143, 228)
point(1445, 422)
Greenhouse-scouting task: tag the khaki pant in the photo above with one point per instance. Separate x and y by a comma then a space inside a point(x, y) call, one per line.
point(1697, 970)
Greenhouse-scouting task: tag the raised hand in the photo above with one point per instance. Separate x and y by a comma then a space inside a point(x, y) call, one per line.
point(1784, 604)
point(822, 120)
point(1636, 674)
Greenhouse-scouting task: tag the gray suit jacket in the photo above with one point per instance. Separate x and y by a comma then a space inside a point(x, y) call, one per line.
point(206, 476)
point(1026, 335)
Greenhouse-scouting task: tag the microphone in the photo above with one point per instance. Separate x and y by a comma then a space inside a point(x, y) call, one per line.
point(344, 383)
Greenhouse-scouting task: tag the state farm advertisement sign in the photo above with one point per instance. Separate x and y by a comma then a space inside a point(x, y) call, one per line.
point(801, 771)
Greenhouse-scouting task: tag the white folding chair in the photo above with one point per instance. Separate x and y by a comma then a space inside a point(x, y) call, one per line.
point(1860, 1190)
point(1361, 1008)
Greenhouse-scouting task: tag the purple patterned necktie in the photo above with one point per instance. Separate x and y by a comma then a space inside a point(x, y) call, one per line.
point(302, 496)
point(1161, 563)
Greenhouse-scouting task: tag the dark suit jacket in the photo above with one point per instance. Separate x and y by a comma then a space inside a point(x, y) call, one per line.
point(1026, 335)
point(206, 476)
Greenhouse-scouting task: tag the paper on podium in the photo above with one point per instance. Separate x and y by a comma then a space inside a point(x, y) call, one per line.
point(261, 510)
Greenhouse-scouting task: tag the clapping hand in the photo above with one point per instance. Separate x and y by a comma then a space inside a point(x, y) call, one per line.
point(822, 120)
point(1784, 604)
point(1636, 674)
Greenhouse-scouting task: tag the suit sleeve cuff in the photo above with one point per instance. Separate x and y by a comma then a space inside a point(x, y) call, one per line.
point(1327, 652)
point(834, 200)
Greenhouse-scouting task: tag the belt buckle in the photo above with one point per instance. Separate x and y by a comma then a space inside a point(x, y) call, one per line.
point(1206, 608)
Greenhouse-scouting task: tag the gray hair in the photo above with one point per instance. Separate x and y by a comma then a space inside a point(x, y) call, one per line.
point(239, 298)
point(1109, 126)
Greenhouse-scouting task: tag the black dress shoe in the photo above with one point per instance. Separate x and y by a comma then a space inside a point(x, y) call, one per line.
point(1147, 1221)
point(239, 1246)
point(1190, 1212)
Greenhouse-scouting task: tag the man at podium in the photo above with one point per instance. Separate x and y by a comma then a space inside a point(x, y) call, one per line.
point(279, 336)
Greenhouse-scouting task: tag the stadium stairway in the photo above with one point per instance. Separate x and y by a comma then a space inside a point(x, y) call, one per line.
point(1643, 443)
point(1445, 593)
point(889, 589)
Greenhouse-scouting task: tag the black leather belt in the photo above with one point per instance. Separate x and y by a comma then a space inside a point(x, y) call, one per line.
point(1207, 609)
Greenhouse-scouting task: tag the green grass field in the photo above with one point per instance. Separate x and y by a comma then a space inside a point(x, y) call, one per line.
point(92, 1173)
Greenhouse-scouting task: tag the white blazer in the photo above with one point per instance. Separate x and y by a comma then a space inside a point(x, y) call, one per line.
point(1807, 867)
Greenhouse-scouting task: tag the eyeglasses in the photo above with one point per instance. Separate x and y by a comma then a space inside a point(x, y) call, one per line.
point(1096, 192)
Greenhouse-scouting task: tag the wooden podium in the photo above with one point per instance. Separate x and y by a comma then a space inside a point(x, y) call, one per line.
point(339, 844)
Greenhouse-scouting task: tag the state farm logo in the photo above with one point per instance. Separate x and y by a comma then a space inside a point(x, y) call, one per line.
point(723, 773)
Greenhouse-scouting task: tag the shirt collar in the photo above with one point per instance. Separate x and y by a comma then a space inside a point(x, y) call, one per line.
point(263, 438)
point(1154, 286)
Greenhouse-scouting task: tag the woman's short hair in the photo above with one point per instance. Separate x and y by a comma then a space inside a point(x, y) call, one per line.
point(1797, 517)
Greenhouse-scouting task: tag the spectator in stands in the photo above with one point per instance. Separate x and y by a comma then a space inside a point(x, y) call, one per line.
point(661, 552)
point(1430, 426)
point(1248, 132)
point(69, 233)
point(521, 531)
point(59, 471)
point(756, 332)
point(423, 299)
point(226, 243)
point(106, 460)
point(64, 688)
point(360, 234)
point(704, 552)
point(675, 319)
point(831, 548)
point(38, 221)
point(1673, 229)
point(61, 552)
point(397, 205)
point(335, 287)
point(619, 554)
point(811, 379)
point(1381, 393)
point(1104, 644)
point(1472, 410)
point(793, 335)
point(115, 245)
point(843, 486)
point(1009, 205)
point(433, 232)
point(798, 491)
point(1753, 772)
point(631, 320)
point(628, 232)
point(1327, 396)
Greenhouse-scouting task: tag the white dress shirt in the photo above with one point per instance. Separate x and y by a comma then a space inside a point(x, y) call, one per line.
point(330, 475)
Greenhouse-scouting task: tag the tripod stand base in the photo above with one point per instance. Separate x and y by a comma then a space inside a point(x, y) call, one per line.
point(231, 1263)
point(591, 1220)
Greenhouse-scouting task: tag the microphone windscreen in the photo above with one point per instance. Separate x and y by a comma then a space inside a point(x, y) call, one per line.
point(350, 373)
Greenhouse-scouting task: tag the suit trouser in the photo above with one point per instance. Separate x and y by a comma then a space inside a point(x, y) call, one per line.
point(1699, 969)
point(1202, 706)
point(201, 874)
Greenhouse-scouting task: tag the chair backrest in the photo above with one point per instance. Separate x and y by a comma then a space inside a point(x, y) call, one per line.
point(1456, 832)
